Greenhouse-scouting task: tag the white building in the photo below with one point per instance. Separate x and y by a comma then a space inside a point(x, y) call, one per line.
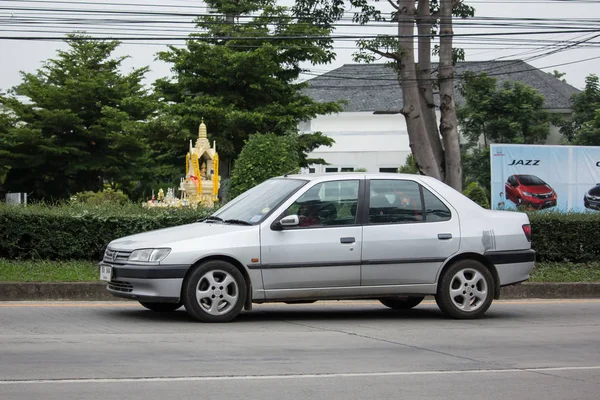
point(371, 133)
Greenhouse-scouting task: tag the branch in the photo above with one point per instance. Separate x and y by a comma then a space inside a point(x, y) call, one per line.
point(385, 54)
point(394, 4)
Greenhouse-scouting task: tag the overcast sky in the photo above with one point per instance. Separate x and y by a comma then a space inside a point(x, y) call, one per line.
point(19, 55)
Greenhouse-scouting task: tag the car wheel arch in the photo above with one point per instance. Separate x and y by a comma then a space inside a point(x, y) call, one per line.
point(476, 257)
point(231, 260)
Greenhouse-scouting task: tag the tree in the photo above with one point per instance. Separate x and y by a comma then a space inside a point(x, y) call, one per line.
point(509, 113)
point(244, 86)
point(80, 126)
point(583, 128)
point(436, 150)
point(410, 166)
point(558, 75)
point(263, 157)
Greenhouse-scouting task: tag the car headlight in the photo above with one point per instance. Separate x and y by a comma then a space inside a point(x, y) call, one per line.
point(527, 194)
point(149, 255)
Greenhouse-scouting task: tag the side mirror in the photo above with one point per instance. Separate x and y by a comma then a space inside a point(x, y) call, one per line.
point(290, 220)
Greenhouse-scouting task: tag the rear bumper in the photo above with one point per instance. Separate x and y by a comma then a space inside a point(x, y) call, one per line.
point(512, 266)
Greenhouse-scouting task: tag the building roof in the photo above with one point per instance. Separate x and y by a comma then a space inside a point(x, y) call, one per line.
point(374, 87)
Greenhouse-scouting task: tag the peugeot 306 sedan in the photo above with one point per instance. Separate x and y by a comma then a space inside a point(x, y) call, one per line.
point(302, 238)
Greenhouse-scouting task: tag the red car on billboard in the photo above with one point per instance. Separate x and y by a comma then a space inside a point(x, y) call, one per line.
point(530, 191)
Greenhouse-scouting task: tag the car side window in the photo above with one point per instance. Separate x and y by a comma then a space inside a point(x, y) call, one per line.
point(394, 201)
point(327, 204)
point(435, 210)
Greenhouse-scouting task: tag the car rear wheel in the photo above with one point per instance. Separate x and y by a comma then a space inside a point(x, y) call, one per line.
point(466, 290)
point(214, 292)
point(161, 307)
point(401, 303)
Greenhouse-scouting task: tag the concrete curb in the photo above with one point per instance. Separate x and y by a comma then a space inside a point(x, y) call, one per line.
point(73, 291)
point(96, 291)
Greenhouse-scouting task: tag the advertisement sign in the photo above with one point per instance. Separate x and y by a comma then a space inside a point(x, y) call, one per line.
point(540, 177)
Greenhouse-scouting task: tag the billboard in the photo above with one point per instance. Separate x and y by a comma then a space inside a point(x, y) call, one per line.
point(540, 177)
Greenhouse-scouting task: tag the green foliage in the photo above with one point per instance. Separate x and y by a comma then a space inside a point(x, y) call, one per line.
point(97, 198)
point(410, 166)
point(263, 156)
point(242, 87)
point(78, 231)
point(360, 170)
point(47, 271)
point(509, 113)
point(81, 126)
point(477, 194)
point(476, 167)
point(565, 237)
point(584, 126)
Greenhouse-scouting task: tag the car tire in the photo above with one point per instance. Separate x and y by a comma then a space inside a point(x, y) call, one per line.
point(161, 307)
point(214, 292)
point(466, 290)
point(401, 303)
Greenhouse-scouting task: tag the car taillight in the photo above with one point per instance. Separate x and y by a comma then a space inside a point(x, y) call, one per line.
point(527, 231)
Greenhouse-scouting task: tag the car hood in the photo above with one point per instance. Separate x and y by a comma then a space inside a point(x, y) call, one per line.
point(167, 236)
point(595, 191)
point(537, 189)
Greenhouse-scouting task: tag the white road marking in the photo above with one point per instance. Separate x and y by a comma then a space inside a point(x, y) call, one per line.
point(294, 376)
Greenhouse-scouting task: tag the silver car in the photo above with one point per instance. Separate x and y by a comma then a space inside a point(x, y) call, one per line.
point(302, 238)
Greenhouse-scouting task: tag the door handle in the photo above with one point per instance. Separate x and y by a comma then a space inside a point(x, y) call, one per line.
point(347, 240)
point(444, 236)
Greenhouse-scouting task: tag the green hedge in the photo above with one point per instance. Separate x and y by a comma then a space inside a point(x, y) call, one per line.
point(566, 237)
point(76, 231)
point(80, 232)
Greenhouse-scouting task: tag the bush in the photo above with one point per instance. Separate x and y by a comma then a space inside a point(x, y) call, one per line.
point(477, 194)
point(78, 231)
point(107, 196)
point(565, 237)
point(263, 157)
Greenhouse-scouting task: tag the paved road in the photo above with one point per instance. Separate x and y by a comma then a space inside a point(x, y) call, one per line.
point(339, 350)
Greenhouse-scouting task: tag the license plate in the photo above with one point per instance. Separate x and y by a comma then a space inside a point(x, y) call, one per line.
point(105, 273)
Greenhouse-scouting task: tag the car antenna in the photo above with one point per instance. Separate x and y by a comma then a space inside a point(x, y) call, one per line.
point(291, 172)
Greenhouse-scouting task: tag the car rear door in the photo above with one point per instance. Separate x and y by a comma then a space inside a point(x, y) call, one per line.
point(406, 240)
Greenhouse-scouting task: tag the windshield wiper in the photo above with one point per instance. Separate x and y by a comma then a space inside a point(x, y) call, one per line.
point(210, 219)
point(236, 222)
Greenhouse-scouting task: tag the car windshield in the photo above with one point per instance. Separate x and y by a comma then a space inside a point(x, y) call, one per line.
point(530, 180)
point(255, 204)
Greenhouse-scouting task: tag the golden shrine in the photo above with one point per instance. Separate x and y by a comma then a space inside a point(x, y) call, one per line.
point(201, 183)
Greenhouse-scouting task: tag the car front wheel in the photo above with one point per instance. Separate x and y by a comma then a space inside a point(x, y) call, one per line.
point(466, 290)
point(401, 303)
point(161, 307)
point(214, 292)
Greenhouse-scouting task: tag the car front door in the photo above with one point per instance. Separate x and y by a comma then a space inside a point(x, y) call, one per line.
point(408, 233)
point(324, 249)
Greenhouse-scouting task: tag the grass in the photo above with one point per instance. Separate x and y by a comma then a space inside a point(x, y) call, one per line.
point(48, 271)
point(84, 271)
point(566, 272)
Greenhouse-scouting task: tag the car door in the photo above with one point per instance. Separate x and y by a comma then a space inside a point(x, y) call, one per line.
point(324, 250)
point(408, 233)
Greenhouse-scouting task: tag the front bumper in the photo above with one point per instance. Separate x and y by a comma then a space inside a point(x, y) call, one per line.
point(541, 204)
point(591, 204)
point(147, 283)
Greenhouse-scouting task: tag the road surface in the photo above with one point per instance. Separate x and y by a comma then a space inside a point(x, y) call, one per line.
point(546, 349)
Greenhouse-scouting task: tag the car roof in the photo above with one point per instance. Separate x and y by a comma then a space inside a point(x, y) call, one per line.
point(345, 175)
